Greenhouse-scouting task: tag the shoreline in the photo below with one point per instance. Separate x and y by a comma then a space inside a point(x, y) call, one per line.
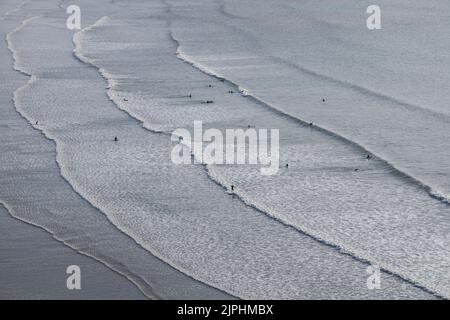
point(33, 190)
point(33, 266)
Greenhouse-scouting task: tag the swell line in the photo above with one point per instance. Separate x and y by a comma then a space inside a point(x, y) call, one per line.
point(223, 10)
point(18, 8)
point(363, 90)
point(139, 282)
point(343, 83)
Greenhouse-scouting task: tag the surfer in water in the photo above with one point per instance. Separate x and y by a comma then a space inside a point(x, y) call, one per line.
point(115, 139)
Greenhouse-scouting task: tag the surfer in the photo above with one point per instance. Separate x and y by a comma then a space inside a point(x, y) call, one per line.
point(115, 139)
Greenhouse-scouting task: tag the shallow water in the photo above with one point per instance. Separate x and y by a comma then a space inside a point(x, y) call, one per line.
point(330, 220)
point(33, 189)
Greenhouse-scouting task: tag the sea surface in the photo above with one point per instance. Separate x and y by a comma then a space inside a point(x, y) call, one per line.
point(138, 70)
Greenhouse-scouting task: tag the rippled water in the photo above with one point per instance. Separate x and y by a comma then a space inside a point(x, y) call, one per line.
point(309, 231)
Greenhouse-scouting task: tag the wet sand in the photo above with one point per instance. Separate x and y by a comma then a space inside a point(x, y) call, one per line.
point(33, 266)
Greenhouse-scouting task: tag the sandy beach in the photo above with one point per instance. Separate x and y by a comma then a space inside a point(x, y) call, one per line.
point(33, 266)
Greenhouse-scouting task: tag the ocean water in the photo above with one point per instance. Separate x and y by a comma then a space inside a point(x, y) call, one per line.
point(367, 93)
point(33, 189)
point(308, 232)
